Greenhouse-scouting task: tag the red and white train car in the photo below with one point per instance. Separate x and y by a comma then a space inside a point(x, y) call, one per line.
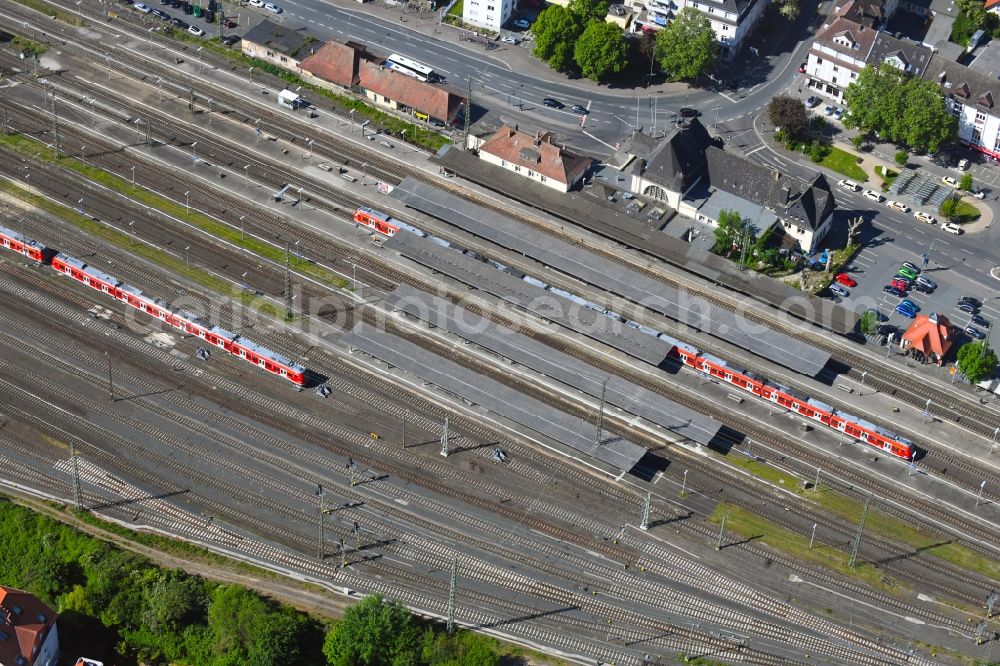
point(21, 244)
point(810, 408)
point(157, 308)
point(383, 223)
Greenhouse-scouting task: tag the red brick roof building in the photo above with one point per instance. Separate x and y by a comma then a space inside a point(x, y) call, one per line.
point(930, 336)
point(335, 63)
point(534, 156)
point(28, 635)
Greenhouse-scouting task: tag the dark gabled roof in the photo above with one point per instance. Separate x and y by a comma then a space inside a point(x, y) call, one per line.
point(278, 37)
point(912, 55)
point(678, 160)
point(972, 87)
point(807, 203)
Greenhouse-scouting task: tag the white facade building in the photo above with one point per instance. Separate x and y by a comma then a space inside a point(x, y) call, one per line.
point(732, 20)
point(972, 98)
point(492, 14)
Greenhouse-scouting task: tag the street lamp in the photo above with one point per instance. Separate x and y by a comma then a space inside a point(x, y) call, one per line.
point(246, 178)
point(187, 255)
point(133, 178)
point(242, 217)
point(187, 201)
point(194, 154)
point(250, 74)
point(131, 231)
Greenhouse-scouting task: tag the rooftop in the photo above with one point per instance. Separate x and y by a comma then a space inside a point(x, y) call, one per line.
point(537, 152)
point(987, 60)
point(848, 37)
point(677, 160)
point(930, 334)
point(335, 62)
point(436, 100)
point(911, 57)
point(285, 40)
point(24, 623)
point(965, 84)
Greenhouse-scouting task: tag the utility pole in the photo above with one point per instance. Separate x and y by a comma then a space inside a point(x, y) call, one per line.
point(813, 537)
point(351, 471)
point(55, 125)
point(451, 595)
point(600, 413)
point(77, 502)
point(816, 484)
point(356, 533)
point(644, 525)
point(991, 602)
point(288, 285)
point(343, 554)
point(111, 386)
point(722, 530)
point(321, 494)
point(444, 439)
point(468, 115)
point(856, 548)
point(404, 430)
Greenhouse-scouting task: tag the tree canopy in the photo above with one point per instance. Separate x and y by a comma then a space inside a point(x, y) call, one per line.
point(788, 113)
point(601, 50)
point(556, 31)
point(899, 109)
point(789, 9)
point(374, 632)
point(588, 11)
point(731, 233)
point(977, 361)
point(687, 48)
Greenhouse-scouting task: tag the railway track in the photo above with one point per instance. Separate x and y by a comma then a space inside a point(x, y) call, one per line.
point(761, 437)
point(944, 405)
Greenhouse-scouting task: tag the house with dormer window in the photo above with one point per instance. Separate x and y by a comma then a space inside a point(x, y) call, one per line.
point(28, 635)
point(972, 98)
point(854, 40)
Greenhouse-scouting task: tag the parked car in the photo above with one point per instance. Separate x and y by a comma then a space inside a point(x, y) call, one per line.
point(187, 7)
point(979, 194)
point(846, 280)
point(142, 7)
point(849, 185)
point(968, 307)
point(840, 291)
point(927, 282)
point(907, 273)
point(553, 103)
point(963, 165)
point(229, 40)
point(838, 113)
point(901, 284)
point(898, 206)
point(910, 304)
point(508, 39)
point(879, 315)
point(905, 311)
point(980, 321)
point(952, 228)
point(949, 181)
point(802, 68)
point(160, 14)
point(874, 196)
point(975, 332)
point(523, 24)
point(580, 110)
point(922, 288)
point(828, 111)
point(894, 291)
point(688, 112)
point(924, 217)
point(177, 23)
point(273, 8)
point(887, 329)
point(812, 102)
point(912, 266)
point(196, 31)
point(259, 4)
point(970, 299)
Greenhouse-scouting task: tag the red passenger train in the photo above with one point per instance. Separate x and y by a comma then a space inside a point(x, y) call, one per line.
point(813, 409)
point(114, 288)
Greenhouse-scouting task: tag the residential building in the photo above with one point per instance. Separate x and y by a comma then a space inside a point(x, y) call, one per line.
point(535, 156)
point(350, 66)
point(28, 634)
point(492, 14)
point(853, 40)
point(972, 98)
point(732, 20)
point(83, 661)
point(277, 45)
point(929, 338)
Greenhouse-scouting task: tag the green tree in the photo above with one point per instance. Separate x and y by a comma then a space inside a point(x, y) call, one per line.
point(732, 233)
point(374, 632)
point(49, 576)
point(687, 48)
point(901, 157)
point(868, 323)
point(463, 648)
point(246, 628)
point(789, 9)
point(556, 31)
point(949, 209)
point(601, 51)
point(965, 183)
point(647, 48)
point(172, 600)
point(788, 113)
point(588, 11)
point(976, 361)
point(927, 124)
point(857, 141)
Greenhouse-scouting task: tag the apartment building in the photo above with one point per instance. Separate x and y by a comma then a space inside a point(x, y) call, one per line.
point(972, 97)
point(732, 20)
point(492, 14)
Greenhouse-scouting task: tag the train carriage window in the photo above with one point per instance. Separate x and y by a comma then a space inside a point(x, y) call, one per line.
point(284, 373)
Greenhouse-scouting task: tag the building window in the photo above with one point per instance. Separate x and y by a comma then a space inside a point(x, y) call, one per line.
point(711, 10)
point(270, 54)
point(503, 163)
point(834, 80)
point(980, 117)
point(725, 28)
point(835, 68)
point(284, 59)
point(490, 8)
point(517, 168)
point(819, 61)
point(531, 174)
point(542, 178)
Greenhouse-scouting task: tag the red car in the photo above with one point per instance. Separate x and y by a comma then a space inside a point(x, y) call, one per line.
point(846, 280)
point(902, 285)
point(802, 68)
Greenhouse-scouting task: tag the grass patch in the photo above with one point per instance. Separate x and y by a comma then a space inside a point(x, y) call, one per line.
point(888, 177)
point(844, 163)
point(52, 10)
point(966, 212)
point(749, 525)
point(457, 9)
point(30, 147)
point(877, 523)
point(29, 48)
